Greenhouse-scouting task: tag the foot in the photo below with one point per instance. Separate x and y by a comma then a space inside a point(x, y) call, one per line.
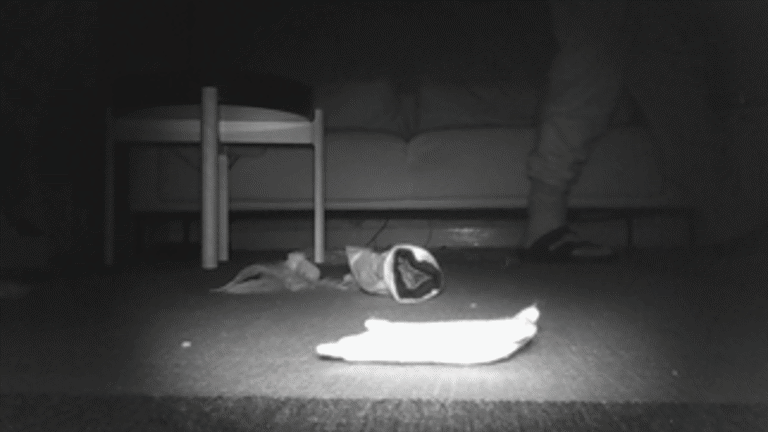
point(563, 245)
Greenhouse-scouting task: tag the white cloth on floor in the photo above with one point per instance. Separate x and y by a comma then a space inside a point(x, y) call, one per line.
point(461, 342)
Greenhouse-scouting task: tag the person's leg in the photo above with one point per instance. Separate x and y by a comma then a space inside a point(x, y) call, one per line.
point(584, 84)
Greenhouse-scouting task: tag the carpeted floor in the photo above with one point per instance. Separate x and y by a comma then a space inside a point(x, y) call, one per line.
point(656, 341)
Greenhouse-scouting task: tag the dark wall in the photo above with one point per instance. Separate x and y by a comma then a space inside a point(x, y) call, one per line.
point(146, 35)
point(59, 57)
point(52, 118)
point(51, 71)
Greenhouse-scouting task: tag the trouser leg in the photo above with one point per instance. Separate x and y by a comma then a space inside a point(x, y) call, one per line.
point(662, 71)
point(584, 84)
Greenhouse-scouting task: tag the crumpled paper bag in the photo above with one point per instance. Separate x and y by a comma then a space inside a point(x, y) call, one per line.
point(407, 273)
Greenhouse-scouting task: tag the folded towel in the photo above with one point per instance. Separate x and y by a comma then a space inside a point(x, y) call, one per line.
point(464, 342)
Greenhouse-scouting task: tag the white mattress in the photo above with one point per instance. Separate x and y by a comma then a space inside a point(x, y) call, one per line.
point(460, 168)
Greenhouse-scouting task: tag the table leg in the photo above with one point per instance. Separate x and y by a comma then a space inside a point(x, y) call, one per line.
point(209, 148)
point(223, 206)
point(319, 192)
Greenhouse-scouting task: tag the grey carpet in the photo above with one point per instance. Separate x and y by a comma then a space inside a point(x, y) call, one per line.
point(660, 333)
point(173, 413)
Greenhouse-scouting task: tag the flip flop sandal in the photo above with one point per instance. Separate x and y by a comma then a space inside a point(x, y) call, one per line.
point(563, 245)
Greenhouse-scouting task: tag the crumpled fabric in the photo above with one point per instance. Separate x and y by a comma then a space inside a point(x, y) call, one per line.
point(295, 274)
point(407, 273)
point(367, 269)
